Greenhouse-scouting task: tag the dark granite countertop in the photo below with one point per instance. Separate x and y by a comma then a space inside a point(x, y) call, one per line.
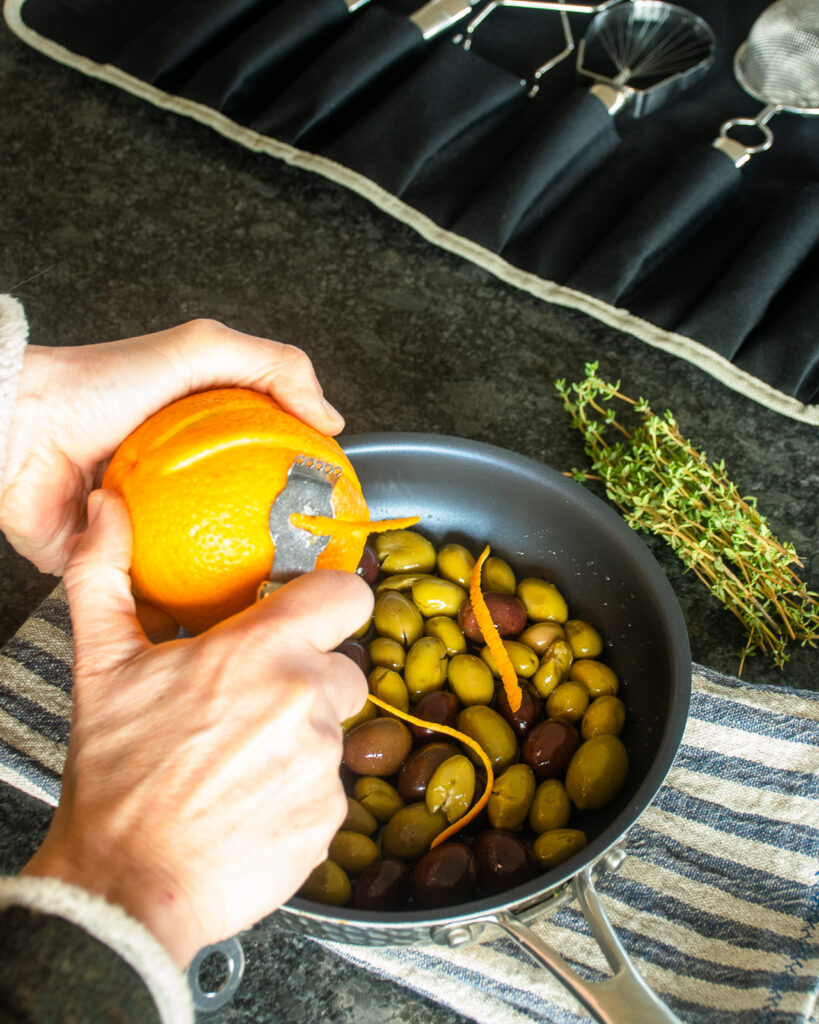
point(118, 218)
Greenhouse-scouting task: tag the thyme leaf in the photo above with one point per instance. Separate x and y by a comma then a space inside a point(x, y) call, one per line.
point(666, 486)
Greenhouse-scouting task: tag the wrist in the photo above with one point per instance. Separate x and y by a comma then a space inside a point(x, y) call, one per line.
point(146, 897)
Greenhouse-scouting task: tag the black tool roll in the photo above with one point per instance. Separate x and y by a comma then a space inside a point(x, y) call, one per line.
point(641, 213)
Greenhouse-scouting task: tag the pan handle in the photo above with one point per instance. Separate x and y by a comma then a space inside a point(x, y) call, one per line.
point(623, 998)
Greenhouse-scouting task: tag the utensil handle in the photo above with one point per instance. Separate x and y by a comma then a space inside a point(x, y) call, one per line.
point(623, 998)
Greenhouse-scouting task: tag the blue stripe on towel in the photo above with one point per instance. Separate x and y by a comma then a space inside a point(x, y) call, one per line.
point(792, 836)
point(746, 883)
point(52, 726)
point(43, 778)
point(757, 722)
point(54, 610)
point(40, 662)
point(745, 772)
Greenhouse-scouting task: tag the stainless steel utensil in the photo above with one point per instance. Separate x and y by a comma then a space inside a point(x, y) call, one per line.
point(778, 64)
point(308, 490)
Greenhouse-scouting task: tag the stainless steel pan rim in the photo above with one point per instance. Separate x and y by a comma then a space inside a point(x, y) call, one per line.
point(483, 493)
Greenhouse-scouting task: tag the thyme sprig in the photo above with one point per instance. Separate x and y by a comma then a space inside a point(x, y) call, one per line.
point(664, 485)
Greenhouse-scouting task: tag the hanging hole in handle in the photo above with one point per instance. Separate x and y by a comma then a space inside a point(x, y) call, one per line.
point(466, 38)
point(215, 974)
point(748, 122)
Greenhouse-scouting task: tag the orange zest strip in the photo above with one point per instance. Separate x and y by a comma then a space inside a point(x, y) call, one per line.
point(483, 616)
point(326, 526)
point(479, 804)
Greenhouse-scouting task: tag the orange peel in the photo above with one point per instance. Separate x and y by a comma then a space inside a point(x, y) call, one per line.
point(481, 802)
point(483, 617)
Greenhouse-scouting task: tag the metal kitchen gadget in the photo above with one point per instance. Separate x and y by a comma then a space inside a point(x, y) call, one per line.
point(778, 64)
point(643, 54)
point(308, 490)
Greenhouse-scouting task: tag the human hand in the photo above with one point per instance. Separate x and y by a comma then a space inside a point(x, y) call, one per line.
point(202, 784)
point(75, 406)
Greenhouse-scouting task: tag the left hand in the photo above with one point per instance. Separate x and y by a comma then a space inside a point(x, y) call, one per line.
point(76, 405)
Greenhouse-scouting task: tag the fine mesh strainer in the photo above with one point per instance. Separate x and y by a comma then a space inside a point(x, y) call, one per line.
point(778, 64)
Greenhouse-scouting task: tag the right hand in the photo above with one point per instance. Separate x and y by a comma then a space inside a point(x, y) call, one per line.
point(202, 784)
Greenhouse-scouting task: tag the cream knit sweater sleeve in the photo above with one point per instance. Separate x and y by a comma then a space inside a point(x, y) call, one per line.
point(13, 338)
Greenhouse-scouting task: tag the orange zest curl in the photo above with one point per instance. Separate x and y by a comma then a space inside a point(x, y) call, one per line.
point(483, 616)
point(326, 526)
point(479, 804)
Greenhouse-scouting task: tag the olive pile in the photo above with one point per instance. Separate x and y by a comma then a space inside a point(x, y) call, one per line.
point(424, 654)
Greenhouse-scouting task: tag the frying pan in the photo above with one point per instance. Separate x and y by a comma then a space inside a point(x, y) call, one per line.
point(542, 523)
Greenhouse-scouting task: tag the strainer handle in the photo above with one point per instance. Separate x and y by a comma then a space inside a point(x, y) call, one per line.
point(680, 203)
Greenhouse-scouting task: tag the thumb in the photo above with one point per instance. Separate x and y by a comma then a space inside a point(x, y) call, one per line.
point(103, 613)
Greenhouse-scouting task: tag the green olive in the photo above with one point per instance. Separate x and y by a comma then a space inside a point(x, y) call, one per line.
point(541, 635)
point(449, 631)
point(542, 600)
point(548, 675)
point(387, 653)
point(404, 551)
point(569, 701)
point(410, 831)
point(492, 732)
point(352, 851)
point(511, 797)
point(451, 788)
point(378, 796)
point(585, 641)
point(367, 713)
point(392, 689)
point(327, 883)
point(553, 847)
point(359, 819)
point(497, 576)
point(561, 651)
point(596, 772)
point(599, 679)
point(426, 667)
point(402, 581)
point(395, 616)
point(523, 658)
point(551, 807)
point(471, 679)
point(605, 715)
point(455, 563)
point(379, 674)
point(437, 597)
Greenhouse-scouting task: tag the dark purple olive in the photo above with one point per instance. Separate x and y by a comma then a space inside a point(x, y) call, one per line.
point(548, 748)
point(377, 747)
point(441, 707)
point(504, 860)
point(445, 876)
point(418, 768)
point(528, 714)
point(481, 819)
point(357, 652)
point(369, 566)
point(508, 613)
point(383, 885)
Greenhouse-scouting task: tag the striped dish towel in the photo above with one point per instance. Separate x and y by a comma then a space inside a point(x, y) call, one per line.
point(716, 902)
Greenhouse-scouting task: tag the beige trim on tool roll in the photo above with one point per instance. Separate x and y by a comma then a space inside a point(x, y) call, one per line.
point(677, 344)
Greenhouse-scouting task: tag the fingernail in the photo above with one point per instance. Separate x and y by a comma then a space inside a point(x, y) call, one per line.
point(332, 411)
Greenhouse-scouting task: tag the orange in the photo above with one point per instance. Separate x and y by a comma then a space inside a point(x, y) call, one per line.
point(199, 477)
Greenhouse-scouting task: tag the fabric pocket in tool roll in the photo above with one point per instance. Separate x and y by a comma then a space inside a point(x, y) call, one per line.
point(678, 205)
point(242, 77)
point(740, 297)
point(550, 159)
point(166, 52)
point(323, 96)
point(94, 30)
point(782, 351)
point(451, 90)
